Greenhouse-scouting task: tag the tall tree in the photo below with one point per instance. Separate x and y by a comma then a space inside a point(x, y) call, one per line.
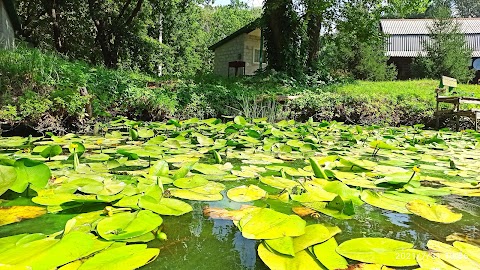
point(282, 36)
point(112, 21)
point(447, 51)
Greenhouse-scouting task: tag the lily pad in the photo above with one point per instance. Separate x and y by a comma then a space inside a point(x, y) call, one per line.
point(302, 260)
point(433, 212)
point(122, 258)
point(246, 193)
point(269, 224)
point(380, 251)
point(166, 206)
point(326, 254)
point(127, 225)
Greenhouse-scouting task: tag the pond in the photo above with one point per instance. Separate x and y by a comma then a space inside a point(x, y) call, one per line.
point(203, 183)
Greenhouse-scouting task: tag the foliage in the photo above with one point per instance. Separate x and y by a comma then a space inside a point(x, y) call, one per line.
point(447, 52)
point(133, 35)
point(358, 46)
point(287, 179)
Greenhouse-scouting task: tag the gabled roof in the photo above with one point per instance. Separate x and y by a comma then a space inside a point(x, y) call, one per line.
point(406, 37)
point(12, 13)
point(421, 26)
point(244, 30)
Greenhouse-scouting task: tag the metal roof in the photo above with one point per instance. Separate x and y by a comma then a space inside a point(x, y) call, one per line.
point(421, 26)
point(407, 36)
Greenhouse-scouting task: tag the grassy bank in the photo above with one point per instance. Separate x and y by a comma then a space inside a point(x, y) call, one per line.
point(50, 93)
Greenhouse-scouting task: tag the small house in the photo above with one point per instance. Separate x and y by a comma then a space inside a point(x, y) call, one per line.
point(8, 23)
point(405, 39)
point(240, 53)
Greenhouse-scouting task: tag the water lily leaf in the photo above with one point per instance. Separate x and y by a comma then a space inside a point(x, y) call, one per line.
point(166, 206)
point(278, 182)
point(433, 212)
point(127, 225)
point(452, 255)
point(188, 194)
point(269, 224)
point(312, 193)
point(356, 163)
point(473, 252)
point(10, 242)
point(12, 214)
point(282, 245)
point(30, 171)
point(428, 191)
point(121, 258)
point(61, 198)
point(327, 255)
point(314, 234)
point(19, 253)
point(160, 168)
point(428, 261)
point(380, 251)
point(8, 175)
point(145, 133)
point(322, 208)
point(377, 200)
point(208, 169)
point(71, 247)
point(183, 171)
point(246, 193)
point(239, 120)
point(204, 140)
point(85, 222)
point(190, 182)
point(301, 261)
point(98, 157)
point(345, 192)
point(51, 151)
point(382, 145)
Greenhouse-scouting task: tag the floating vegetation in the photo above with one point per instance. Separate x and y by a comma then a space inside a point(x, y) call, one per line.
point(272, 180)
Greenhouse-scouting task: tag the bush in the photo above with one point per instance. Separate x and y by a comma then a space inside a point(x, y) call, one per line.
point(44, 91)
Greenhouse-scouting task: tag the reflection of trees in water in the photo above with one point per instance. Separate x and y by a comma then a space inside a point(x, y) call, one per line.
point(196, 226)
point(246, 249)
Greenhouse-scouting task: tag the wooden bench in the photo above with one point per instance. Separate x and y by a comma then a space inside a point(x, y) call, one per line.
point(445, 93)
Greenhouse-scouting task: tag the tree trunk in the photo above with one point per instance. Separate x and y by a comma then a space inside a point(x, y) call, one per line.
point(313, 32)
point(52, 8)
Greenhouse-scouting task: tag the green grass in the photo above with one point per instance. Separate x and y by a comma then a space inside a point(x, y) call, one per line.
point(421, 88)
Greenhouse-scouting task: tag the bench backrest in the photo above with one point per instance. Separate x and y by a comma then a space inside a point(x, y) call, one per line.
point(446, 83)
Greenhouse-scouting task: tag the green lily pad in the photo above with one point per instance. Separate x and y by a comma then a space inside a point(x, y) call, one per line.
point(327, 255)
point(127, 225)
point(277, 261)
point(269, 224)
point(380, 251)
point(377, 200)
point(190, 182)
point(433, 212)
point(166, 206)
point(122, 258)
point(246, 193)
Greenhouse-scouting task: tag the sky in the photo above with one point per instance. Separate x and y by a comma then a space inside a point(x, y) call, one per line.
point(256, 3)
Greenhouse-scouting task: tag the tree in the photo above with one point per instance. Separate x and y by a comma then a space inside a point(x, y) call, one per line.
point(282, 37)
point(468, 8)
point(447, 53)
point(358, 46)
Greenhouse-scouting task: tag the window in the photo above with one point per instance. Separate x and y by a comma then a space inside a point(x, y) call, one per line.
point(256, 56)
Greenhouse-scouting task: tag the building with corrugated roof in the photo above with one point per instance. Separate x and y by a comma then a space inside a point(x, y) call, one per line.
point(406, 37)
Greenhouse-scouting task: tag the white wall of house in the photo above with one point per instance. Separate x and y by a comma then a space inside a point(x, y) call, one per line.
point(7, 37)
point(233, 50)
point(252, 50)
